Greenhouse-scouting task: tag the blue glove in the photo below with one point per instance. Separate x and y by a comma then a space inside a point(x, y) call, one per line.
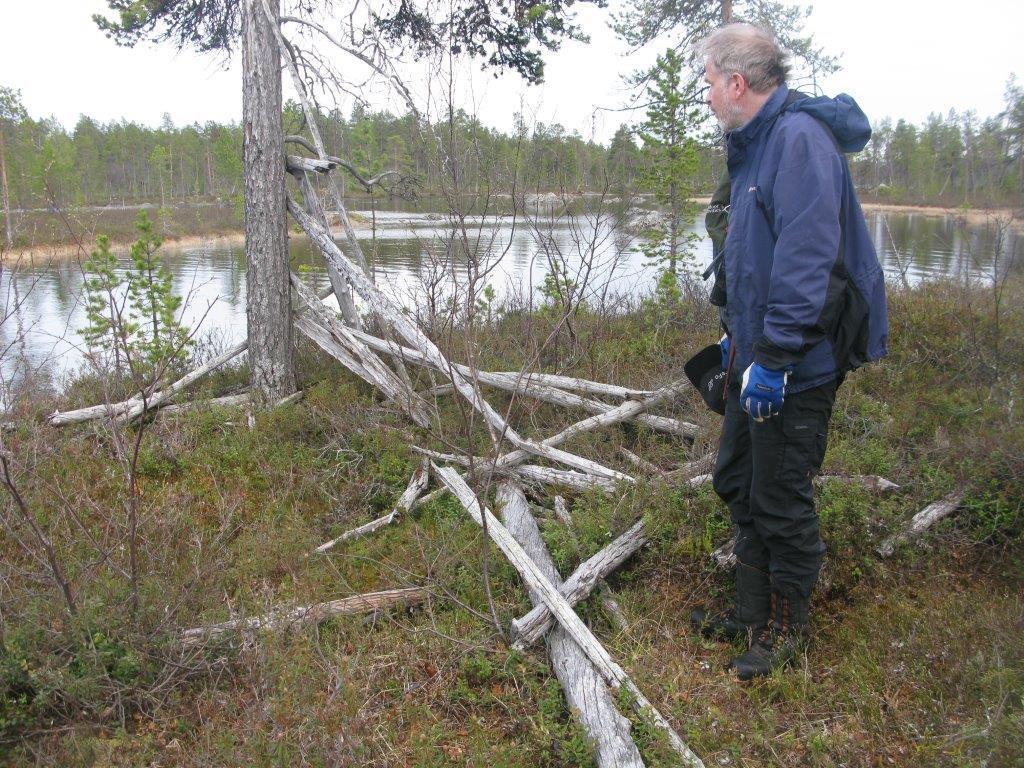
point(763, 391)
point(724, 344)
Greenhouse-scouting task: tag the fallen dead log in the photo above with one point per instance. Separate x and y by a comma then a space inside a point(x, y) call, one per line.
point(308, 614)
point(531, 627)
point(342, 291)
point(559, 478)
point(612, 673)
point(921, 522)
point(585, 692)
point(692, 468)
point(416, 486)
point(439, 390)
point(874, 483)
point(530, 473)
point(227, 401)
point(581, 385)
point(640, 462)
point(133, 407)
point(522, 384)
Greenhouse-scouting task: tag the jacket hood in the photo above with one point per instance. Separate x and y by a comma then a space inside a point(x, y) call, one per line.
point(841, 115)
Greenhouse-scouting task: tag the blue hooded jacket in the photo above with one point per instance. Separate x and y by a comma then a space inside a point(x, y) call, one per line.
point(804, 289)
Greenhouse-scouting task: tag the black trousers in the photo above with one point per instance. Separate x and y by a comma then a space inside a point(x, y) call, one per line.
point(764, 474)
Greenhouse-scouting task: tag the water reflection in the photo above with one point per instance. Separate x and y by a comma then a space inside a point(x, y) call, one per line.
point(420, 259)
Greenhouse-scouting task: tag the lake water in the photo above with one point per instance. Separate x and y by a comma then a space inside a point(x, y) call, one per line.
point(417, 253)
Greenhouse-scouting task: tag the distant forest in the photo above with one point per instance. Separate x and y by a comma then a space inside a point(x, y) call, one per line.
point(951, 160)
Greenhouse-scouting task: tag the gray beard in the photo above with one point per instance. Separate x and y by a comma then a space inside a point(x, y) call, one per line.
point(733, 119)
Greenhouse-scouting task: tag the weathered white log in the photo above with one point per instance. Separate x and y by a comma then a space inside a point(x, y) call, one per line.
point(582, 385)
point(699, 480)
point(80, 415)
point(531, 626)
point(692, 468)
point(559, 478)
point(416, 486)
point(367, 366)
point(533, 473)
point(228, 401)
point(523, 384)
point(440, 389)
point(922, 521)
point(874, 483)
point(308, 614)
point(133, 407)
point(604, 592)
point(312, 330)
point(640, 461)
point(585, 692)
point(613, 415)
point(612, 673)
point(562, 513)
point(391, 386)
point(296, 164)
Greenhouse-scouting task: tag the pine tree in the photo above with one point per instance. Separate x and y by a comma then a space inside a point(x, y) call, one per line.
point(672, 161)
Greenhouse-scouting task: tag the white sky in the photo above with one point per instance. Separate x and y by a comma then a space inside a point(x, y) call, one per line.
point(902, 58)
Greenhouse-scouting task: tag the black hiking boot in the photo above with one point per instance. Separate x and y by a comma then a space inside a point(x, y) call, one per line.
point(779, 643)
point(749, 616)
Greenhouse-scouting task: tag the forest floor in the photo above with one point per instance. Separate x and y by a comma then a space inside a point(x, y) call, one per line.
point(44, 236)
point(915, 660)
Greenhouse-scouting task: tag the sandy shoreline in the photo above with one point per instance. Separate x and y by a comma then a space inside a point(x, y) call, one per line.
point(975, 216)
point(47, 254)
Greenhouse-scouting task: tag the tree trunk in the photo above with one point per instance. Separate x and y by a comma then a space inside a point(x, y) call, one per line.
point(268, 302)
point(6, 195)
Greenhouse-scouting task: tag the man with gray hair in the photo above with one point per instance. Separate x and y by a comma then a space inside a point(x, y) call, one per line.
point(803, 304)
